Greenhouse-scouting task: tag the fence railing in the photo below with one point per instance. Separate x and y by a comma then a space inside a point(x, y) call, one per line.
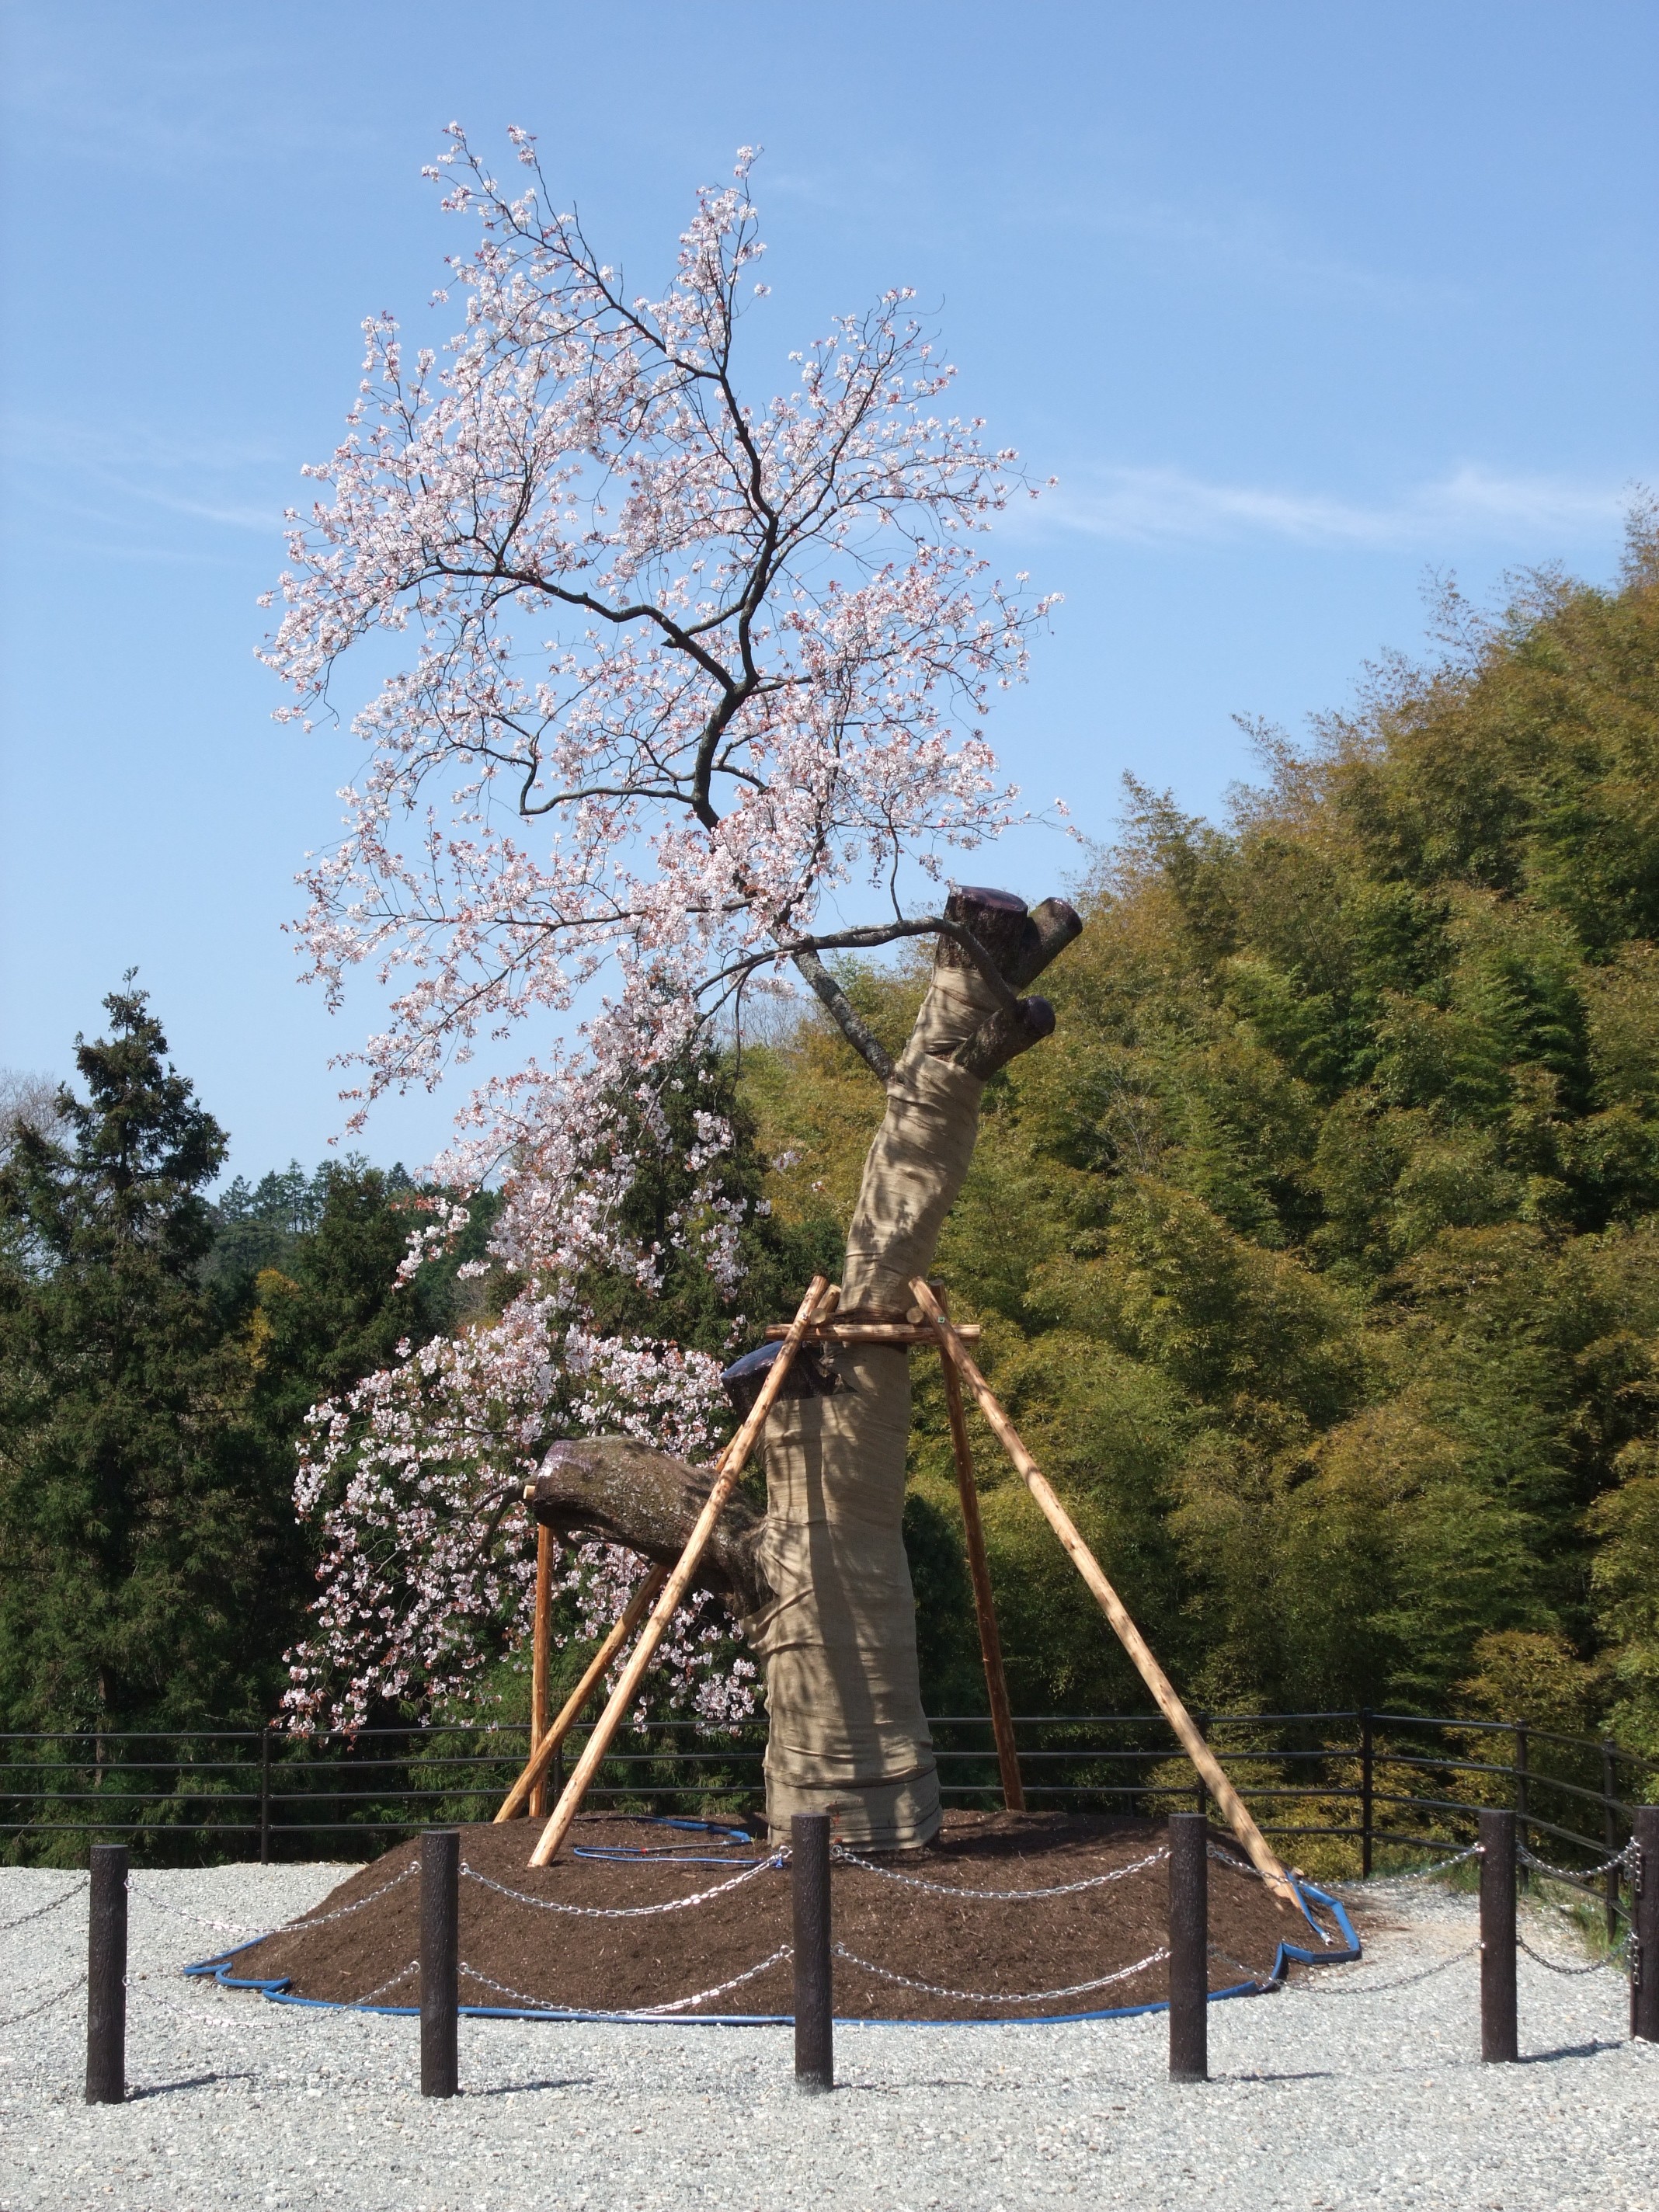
point(1354, 1792)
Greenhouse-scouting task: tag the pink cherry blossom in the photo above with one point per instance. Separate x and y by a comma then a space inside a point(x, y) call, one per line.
point(668, 681)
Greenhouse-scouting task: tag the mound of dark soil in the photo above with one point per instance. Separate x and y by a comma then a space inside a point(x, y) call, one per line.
point(995, 1958)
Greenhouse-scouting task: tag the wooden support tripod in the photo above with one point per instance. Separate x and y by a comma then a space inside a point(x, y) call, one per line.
point(662, 1593)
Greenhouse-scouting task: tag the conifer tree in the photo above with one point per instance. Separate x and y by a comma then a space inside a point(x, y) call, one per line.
point(146, 1537)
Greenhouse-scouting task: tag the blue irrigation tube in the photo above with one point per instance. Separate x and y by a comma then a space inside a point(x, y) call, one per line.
point(277, 1991)
point(671, 1854)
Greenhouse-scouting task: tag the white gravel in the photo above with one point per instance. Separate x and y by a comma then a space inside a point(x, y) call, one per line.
point(1322, 2097)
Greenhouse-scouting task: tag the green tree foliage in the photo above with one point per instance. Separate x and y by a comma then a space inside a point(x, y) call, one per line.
point(158, 1355)
point(143, 1543)
point(1318, 1255)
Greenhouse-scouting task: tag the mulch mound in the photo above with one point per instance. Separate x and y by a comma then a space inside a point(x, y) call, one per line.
point(997, 1960)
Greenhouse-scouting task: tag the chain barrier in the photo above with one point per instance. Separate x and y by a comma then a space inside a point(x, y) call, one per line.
point(204, 2014)
point(288, 1927)
point(1231, 1859)
point(1410, 1874)
point(1314, 1987)
point(1625, 1859)
point(358, 1904)
point(15, 2019)
point(1614, 1963)
point(1001, 1996)
point(638, 2012)
point(191, 1919)
point(41, 1911)
point(625, 1912)
point(1257, 1980)
point(391, 1982)
point(999, 1896)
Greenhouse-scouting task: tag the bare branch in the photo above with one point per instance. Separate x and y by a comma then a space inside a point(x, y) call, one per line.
point(868, 1047)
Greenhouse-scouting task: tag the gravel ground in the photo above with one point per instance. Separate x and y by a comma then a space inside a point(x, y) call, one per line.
point(1363, 2089)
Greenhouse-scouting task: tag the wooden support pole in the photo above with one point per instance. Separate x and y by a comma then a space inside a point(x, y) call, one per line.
point(570, 1712)
point(1190, 1948)
point(1232, 1806)
point(990, 1642)
point(541, 1657)
point(871, 1332)
point(440, 1951)
point(729, 1466)
point(106, 1976)
point(809, 1885)
point(1499, 2033)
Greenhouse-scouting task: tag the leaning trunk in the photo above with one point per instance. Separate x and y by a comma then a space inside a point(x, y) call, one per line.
point(822, 1585)
point(847, 1734)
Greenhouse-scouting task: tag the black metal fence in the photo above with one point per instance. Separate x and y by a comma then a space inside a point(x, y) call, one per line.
point(1344, 1792)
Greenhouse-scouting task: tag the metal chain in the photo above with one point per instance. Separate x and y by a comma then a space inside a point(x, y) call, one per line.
point(624, 1912)
point(358, 1904)
point(41, 1911)
point(999, 1896)
point(193, 1919)
point(1260, 1981)
point(638, 2012)
point(1625, 1859)
point(413, 1967)
point(206, 2014)
point(14, 2019)
point(288, 1927)
point(1413, 1874)
point(1000, 1997)
point(1316, 1986)
point(1611, 1963)
point(1231, 1859)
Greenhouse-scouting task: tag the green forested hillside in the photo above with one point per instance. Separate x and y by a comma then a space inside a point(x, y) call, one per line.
point(1318, 1253)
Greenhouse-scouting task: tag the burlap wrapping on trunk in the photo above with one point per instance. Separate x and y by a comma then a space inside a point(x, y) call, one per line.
point(847, 1734)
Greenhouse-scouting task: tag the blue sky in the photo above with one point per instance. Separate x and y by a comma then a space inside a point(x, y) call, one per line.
point(1298, 302)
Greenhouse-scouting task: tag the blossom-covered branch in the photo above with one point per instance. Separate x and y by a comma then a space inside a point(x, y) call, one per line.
point(672, 670)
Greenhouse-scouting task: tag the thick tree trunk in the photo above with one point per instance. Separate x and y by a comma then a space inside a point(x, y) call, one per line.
point(822, 1585)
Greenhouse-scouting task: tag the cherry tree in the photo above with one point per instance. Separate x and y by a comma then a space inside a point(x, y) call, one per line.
point(670, 684)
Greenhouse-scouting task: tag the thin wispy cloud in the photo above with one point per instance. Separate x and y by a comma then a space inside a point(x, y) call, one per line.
point(1170, 505)
point(122, 479)
point(1257, 245)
